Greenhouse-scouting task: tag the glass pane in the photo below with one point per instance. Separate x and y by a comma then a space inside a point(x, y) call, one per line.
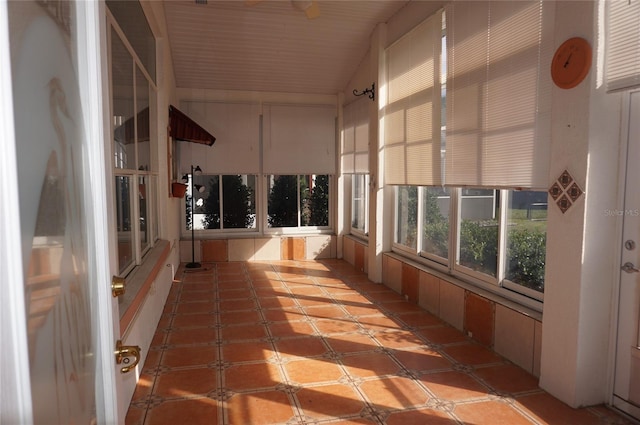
point(131, 18)
point(315, 200)
point(282, 209)
point(142, 120)
point(435, 210)
point(407, 216)
point(124, 225)
point(526, 238)
point(205, 202)
point(238, 202)
point(359, 201)
point(479, 230)
point(143, 188)
point(123, 108)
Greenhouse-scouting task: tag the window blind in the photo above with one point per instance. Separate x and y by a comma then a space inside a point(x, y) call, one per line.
point(355, 137)
point(412, 112)
point(498, 94)
point(622, 41)
point(299, 139)
point(236, 127)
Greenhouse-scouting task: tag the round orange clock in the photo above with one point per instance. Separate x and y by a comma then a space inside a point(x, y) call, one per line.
point(571, 63)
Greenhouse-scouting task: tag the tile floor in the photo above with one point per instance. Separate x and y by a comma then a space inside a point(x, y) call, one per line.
point(318, 343)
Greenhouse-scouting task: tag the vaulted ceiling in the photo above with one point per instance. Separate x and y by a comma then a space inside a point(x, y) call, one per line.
point(271, 45)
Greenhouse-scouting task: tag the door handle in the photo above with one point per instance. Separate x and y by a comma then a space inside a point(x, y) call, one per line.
point(628, 267)
point(123, 352)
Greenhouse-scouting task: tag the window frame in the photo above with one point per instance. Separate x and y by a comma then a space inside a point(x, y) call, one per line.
point(134, 174)
point(363, 234)
point(498, 284)
point(299, 229)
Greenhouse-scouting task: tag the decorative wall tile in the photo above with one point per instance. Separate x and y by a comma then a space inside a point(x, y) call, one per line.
point(565, 191)
point(479, 318)
point(410, 282)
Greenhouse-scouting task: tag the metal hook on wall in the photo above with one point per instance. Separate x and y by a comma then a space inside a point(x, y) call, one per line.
point(371, 92)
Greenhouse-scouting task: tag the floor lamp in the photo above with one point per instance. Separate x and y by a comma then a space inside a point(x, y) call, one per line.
point(194, 187)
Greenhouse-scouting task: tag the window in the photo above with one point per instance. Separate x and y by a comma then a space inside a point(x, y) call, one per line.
point(226, 202)
point(133, 152)
point(300, 201)
point(360, 204)
point(475, 251)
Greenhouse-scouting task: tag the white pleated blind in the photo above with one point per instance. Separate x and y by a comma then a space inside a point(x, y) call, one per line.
point(299, 139)
point(412, 113)
point(236, 127)
point(498, 93)
point(355, 137)
point(623, 44)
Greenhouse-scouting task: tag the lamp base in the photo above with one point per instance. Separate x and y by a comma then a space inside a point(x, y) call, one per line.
point(193, 265)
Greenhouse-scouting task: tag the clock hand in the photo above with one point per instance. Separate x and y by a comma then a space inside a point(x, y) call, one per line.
point(568, 59)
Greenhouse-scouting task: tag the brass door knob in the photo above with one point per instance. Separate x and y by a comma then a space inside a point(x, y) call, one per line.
point(118, 286)
point(123, 352)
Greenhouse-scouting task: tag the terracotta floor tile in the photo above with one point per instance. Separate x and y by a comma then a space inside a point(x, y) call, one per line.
point(325, 312)
point(189, 356)
point(247, 351)
point(300, 347)
point(287, 314)
point(351, 343)
point(419, 319)
point(290, 329)
point(494, 413)
point(191, 335)
point(239, 317)
point(269, 291)
point(254, 331)
point(209, 286)
point(442, 334)
point(400, 307)
point(158, 338)
point(352, 299)
point(165, 321)
point(507, 378)
point(239, 294)
point(422, 359)
point(185, 383)
point(385, 297)
point(263, 275)
point(198, 319)
point(152, 360)
point(261, 408)
point(307, 291)
point(472, 354)
point(333, 326)
point(399, 339)
point(394, 393)
point(196, 307)
point(143, 387)
point(268, 283)
point(231, 305)
point(313, 301)
point(197, 296)
point(550, 410)
point(379, 323)
point(453, 385)
point(135, 416)
point(330, 401)
point(420, 417)
point(312, 370)
point(358, 421)
point(240, 377)
point(370, 364)
point(202, 411)
point(277, 302)
point(362, 310)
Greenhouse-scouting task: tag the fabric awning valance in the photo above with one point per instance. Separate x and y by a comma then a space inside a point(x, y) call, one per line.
point(181, 127)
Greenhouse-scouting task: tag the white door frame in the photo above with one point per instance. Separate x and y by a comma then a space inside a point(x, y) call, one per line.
point(620, 366)
point(16, 405)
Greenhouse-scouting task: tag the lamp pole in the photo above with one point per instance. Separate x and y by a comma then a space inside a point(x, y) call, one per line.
point(193, 264)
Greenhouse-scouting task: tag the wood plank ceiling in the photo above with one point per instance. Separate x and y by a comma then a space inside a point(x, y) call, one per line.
point(271, 46)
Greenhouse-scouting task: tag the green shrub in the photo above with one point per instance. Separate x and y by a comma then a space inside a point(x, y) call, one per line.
point(526, 254)
point(479, 245)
